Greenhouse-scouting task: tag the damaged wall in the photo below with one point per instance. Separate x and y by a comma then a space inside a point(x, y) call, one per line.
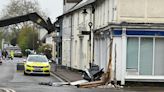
point(102, 50)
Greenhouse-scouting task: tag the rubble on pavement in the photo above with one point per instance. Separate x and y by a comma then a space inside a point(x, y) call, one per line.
point(93, 77)
point(104, 78)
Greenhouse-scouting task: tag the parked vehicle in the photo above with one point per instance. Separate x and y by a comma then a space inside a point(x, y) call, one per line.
point(18, 54)
point(37, 64)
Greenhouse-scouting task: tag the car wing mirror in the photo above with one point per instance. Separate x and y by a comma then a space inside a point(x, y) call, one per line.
point(49, 61)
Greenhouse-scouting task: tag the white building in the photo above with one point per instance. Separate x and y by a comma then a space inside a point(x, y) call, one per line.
point(136, 27)
point(75, 45)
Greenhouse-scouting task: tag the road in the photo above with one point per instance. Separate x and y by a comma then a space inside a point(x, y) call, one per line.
point(16, 80)
point(10, 78)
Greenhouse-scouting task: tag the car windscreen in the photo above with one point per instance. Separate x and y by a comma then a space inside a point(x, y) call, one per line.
point(37, 59)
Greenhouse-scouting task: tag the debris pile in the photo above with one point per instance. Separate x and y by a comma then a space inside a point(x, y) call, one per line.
point(93, 73)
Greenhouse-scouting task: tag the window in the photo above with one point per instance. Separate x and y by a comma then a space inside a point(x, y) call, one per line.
point(159, 57)
point(132, 53)
point(35, 58)
point(146, 56)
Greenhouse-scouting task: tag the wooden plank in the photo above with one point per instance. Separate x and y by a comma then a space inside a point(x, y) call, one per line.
point(91, 84)
point(109, 70)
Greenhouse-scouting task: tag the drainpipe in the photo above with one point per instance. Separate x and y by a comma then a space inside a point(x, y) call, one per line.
point(113, 10)
point(90, 43)
point(92, 34)
point(71, 43)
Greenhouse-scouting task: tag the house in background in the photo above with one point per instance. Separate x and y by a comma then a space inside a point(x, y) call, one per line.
point(48, 39)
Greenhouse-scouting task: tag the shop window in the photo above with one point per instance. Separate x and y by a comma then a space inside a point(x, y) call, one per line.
point(132, 54)
point(159, 57)
point(146, 56)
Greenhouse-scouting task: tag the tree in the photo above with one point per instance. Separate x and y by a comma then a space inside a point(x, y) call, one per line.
point(28, 38)
point(46, 50)
point(13, 41)
point(21, 7)
point(17, 8)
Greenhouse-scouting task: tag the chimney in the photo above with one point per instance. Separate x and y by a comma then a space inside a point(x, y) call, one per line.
point(68, 4)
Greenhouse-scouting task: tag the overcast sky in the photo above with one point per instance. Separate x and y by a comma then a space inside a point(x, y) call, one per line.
point(53, 8)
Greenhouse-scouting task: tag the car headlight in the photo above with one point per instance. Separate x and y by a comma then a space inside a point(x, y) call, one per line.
point(28, 65)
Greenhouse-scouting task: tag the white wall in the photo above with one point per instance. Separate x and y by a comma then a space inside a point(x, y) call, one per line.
point(101, 54)
point(140, 11)
point(66, 53)
point(108, 11)
point(80, 49)
point(79, 59)
point(66, 32)
point(104, 13)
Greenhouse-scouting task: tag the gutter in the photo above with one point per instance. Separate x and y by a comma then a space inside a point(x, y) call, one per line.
point(138, 25)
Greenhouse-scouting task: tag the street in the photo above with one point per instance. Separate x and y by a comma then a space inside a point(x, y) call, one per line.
point(16, 80)
point(10, 78)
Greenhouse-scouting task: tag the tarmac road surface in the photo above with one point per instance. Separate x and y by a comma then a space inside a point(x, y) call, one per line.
point(14, 81)
point(9, 76)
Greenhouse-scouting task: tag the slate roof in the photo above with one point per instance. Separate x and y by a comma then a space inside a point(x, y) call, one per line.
point(79, 5)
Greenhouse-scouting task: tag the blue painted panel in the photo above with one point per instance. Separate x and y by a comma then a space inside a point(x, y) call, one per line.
point(117, 32)
point(139, 32)
point(148, 33)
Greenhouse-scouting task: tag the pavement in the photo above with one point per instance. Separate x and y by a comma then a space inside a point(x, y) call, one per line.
point(67, 75)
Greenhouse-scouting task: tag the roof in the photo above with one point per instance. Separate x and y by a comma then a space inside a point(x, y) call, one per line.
point(80, 5)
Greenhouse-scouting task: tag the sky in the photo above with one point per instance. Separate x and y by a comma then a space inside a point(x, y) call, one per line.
point(53, 8)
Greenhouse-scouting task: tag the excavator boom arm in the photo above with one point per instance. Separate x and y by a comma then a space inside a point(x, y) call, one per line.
point(34, 17)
